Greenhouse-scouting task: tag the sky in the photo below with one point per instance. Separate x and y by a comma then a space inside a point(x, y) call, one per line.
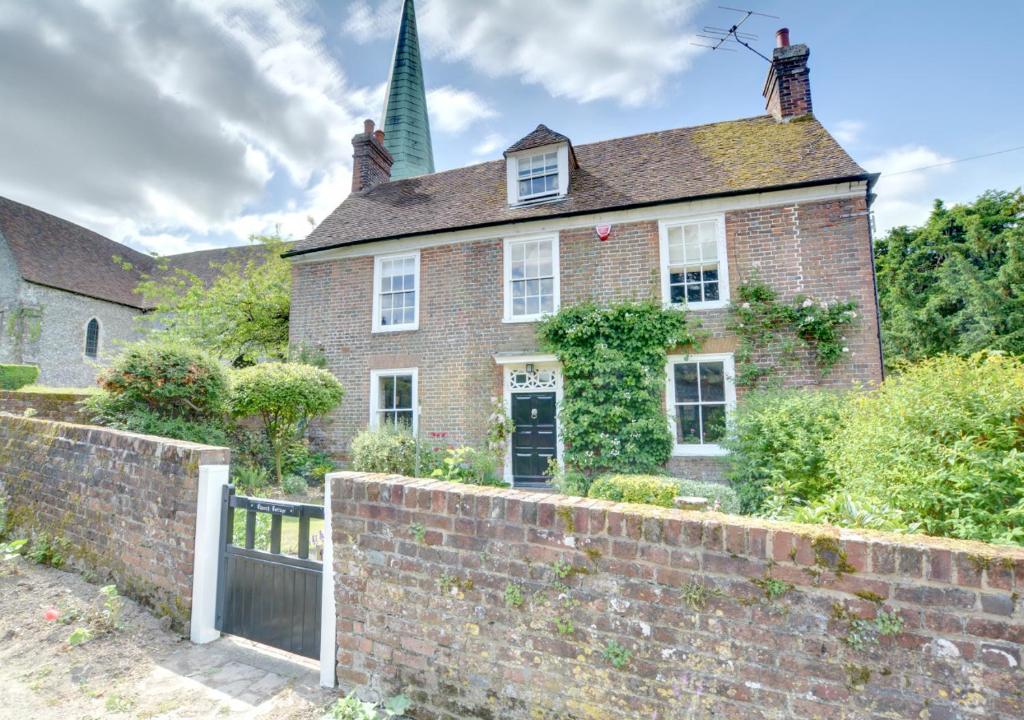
point(178, 126)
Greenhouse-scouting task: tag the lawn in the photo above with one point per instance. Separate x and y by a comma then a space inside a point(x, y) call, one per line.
point(289, 534)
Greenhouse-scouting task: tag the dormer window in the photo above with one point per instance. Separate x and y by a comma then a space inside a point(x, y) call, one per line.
point(538, 167)
point(538, 175)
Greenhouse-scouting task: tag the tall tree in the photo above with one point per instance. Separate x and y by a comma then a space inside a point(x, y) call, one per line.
point(242, 315)
point(955, 284)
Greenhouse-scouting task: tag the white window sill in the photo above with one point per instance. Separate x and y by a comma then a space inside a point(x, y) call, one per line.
point(712, 305)
point(530, 202)
point(699, 451)
point(394, 328)
point(526, 318)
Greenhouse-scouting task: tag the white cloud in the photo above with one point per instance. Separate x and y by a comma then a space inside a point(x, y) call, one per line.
point(847, 131)
point(453, 110)
point(905, 198)
point(155, 122)
point(491, 144)
point(581, 49)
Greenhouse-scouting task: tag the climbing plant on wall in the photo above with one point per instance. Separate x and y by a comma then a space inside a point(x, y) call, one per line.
point(763, 322)
point(613, 364)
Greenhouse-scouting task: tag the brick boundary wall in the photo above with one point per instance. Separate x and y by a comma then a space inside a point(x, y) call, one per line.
point(428, 573)
point(48, 406)
point(125, 503)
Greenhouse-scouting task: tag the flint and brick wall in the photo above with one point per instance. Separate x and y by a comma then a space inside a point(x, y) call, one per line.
point(423, 569)
point(47, 406)
point(125, 503)
point(821, 249)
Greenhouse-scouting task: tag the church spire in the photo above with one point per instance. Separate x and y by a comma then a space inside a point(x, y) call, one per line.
point(406, 126)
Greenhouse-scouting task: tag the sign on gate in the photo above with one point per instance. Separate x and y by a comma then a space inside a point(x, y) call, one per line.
point(264, 594)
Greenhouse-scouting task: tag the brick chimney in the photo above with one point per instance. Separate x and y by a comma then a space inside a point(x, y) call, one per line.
point(787, 89)
point(371, 162)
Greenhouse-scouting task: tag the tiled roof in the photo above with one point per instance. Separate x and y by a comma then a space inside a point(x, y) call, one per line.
point(205, 264)
point(708, 160)
point(57, 253)
point(540, 137)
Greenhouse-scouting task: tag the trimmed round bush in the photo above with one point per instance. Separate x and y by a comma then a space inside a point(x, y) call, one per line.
point(386, 449)
point(777, 442)
point(942, 445)
point(13, 377)
point(646, 489)
point(285, 396)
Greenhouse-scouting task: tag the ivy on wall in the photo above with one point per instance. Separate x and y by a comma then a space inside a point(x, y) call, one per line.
point(613, 365)
point(762, 321)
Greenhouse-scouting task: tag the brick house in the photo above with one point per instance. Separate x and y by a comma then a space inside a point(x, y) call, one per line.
point(424, 292)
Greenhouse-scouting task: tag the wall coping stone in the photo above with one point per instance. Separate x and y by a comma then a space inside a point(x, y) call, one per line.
point(98, 435)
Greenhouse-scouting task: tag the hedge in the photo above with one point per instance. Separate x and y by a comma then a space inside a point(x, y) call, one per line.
point(13, 377)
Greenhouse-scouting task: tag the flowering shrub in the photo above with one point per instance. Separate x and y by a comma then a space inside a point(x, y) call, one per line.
point(761, 321)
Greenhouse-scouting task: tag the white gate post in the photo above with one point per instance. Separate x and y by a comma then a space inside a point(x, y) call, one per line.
point(328, 617)
point(206, 554)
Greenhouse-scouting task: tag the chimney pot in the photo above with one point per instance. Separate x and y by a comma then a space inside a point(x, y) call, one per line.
point(378, 135)
point(782, 38)
point(368, 127)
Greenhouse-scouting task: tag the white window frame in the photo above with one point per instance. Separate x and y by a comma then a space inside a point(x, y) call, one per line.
point(723, 260)
point(507, 274)
point(512, 173)
point(378, 262)
point(729, 370)
point(375, 408)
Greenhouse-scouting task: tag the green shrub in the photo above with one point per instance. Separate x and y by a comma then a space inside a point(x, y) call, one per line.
point(308, 464)
point(249, 479)
point(285, 396)
point(646, 489)
point(720, 497)
point(942, 444)
point(294, 485)
point(468, 465)
point(777, 442)
point(162, 389)
point(385, 449)
point(567, 481)
point(13, 377)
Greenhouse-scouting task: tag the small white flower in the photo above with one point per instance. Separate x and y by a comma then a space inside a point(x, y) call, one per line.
point(808, 302)
point(746, 306)
point(852, 315)
point(846, 349)
point(824, 305)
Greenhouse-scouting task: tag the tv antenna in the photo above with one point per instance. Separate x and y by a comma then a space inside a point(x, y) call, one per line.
point(732, 34)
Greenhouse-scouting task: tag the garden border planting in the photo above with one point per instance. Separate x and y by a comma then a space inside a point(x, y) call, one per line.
point(489, 602)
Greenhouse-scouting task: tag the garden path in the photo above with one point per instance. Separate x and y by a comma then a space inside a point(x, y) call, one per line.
point(142, 671)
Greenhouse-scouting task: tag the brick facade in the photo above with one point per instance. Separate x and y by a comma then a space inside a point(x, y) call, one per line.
point(429, 616)
point(820, 248)
point(125, 503)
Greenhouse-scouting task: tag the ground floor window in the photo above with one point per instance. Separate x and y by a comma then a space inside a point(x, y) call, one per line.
point(701, 395)
point(393, 398)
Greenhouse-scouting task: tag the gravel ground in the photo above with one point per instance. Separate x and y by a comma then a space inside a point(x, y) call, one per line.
point(141, 670)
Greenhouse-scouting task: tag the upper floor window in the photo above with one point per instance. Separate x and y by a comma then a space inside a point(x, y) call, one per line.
point(531, 278)
point(701, 395)
point(92, 338)
point(538, 175)
point(393, 398)
point(694, 269)
point(396, 292)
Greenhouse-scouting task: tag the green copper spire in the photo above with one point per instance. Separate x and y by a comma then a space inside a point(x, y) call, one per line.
point(406, 126)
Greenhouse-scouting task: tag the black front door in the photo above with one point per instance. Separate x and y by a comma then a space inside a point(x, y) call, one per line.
point(534, 441)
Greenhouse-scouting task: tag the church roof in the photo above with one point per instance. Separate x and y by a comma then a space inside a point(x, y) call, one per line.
point(406, 124)
point(726, 158)
point(57, 253)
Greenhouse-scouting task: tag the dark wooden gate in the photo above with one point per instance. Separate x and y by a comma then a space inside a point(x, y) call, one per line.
point(263, 594)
